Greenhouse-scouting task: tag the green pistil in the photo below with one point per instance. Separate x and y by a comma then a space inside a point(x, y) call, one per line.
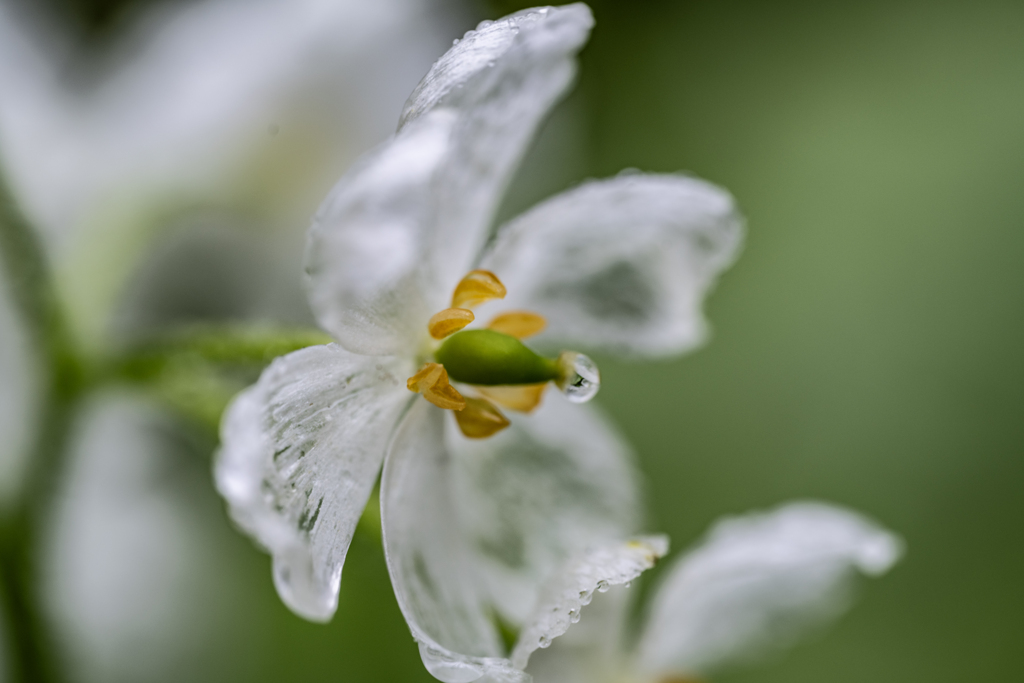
point(491, 358)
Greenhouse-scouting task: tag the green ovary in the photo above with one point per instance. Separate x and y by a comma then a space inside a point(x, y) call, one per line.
point(492, 358)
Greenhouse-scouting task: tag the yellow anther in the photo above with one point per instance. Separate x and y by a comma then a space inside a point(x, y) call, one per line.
point(449, 321)
point(425, 377)
point(476, 288)
point(521, 397)
point(432, 382)
point(480, 419)
point(519, 324)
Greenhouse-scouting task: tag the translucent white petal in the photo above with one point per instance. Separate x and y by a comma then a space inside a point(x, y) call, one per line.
point(758, 582)
point(621, 264)
point(300, 454)
point(432, 568)
point(592, 651)
point(403, 226)
point(536, 493)
point(564, 597)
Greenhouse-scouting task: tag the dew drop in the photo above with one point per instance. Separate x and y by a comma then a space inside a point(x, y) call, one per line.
point(484, 24)
point(586, 597)
point(628, 584)
point(544, 641)
point(574, 616)
point(456, 41)
point(580, 379)
point(602, 586)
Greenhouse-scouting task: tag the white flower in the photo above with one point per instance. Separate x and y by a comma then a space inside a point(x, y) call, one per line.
point(471, 527)
point(98, 150)
point(756, 583)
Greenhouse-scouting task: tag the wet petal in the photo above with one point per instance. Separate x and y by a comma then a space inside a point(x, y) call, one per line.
point(432, 568)
point(553, 483)
point(565, 596)
point(404, 225)
point(592, 651)
point(759, 582)
point(622, 264)
point(300, 454)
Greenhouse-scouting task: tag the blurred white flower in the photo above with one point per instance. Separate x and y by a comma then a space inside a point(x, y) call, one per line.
point(174, 111)
point(128, 538)
point(756, 583)
point(472, 527)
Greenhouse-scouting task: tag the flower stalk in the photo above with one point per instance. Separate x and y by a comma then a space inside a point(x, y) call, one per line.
point(31, 650)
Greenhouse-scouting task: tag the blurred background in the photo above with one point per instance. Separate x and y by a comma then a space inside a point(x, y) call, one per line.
point(868, 346)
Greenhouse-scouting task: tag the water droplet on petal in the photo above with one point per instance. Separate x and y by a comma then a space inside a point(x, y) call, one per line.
point(585, 597)
point(484, 24)
point(580, 379)
point(628, 584)
point(574, 617)
point(456, 41)
point(544, 641)
point(602, 586)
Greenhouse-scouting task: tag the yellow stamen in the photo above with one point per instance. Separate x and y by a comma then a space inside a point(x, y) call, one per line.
point(476, 288)
point(521, 397)
point(519, 324)
point(432, 382)
point(480, 419)
point(449, 321)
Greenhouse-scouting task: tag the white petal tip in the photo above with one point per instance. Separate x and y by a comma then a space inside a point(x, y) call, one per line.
point(878, 554)
point(596, 571)
point(301, 590)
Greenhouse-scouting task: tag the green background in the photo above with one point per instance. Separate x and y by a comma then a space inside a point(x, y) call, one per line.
point(867, 346)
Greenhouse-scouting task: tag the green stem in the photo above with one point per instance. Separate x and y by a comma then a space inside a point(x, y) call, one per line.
point(218, 345)
point(32, 653)
point(196, 370)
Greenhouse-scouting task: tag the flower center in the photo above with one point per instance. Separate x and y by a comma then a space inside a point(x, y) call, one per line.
point(494, 362)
